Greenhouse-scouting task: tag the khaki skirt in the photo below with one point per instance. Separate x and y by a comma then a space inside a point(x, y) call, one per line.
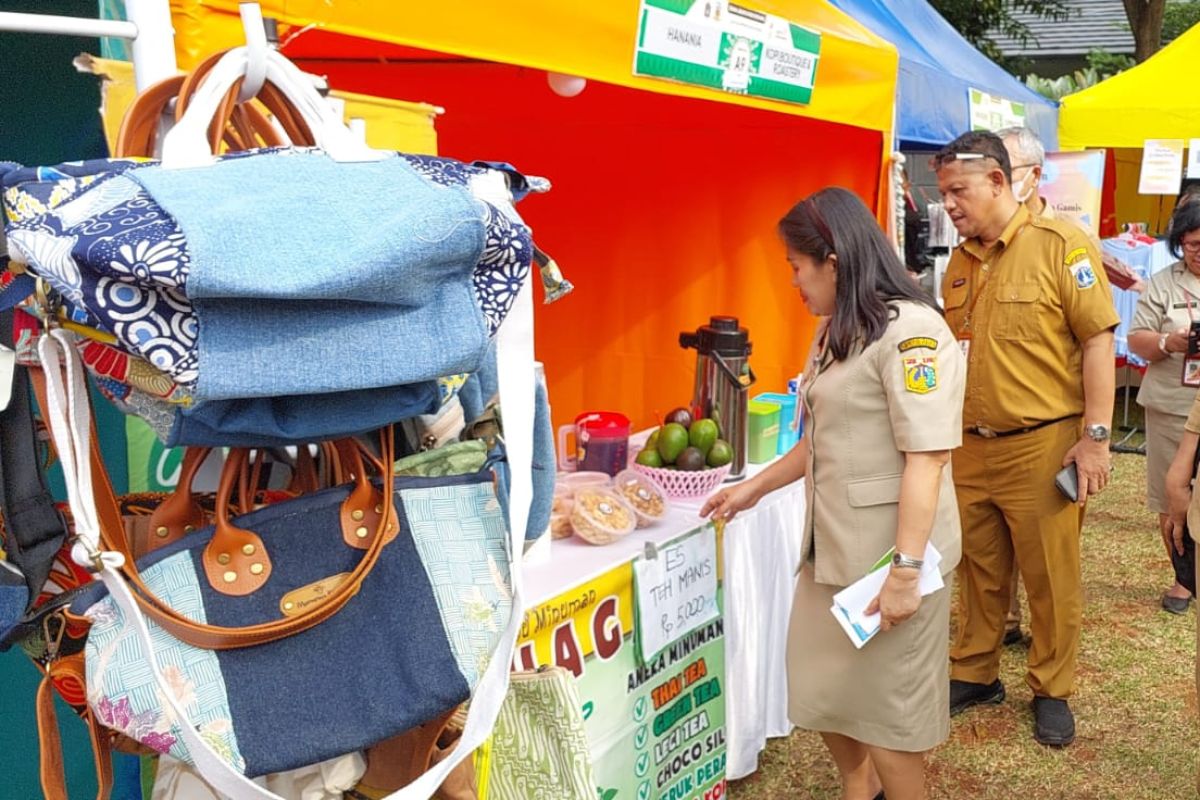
point(1163, 432)
point(893, 693)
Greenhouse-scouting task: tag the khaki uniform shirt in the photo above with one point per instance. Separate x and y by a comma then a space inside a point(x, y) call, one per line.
point(1170, 302)
point(902, 393)
point(1022, 311)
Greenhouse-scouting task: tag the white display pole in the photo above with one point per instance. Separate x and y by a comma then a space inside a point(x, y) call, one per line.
point(148, 28)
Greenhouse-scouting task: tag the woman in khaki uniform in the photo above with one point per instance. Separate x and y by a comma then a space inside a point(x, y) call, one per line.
point(1159, 334)
point(883, 396)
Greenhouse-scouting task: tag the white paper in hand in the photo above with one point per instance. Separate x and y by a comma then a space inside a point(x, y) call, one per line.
point(850, 604)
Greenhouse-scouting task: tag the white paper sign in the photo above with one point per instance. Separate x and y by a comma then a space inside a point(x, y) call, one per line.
point(676, 590)
point(1162, 166)
point(1193, 167)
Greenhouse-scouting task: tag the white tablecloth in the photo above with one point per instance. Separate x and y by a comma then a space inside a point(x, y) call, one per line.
point(761, 555)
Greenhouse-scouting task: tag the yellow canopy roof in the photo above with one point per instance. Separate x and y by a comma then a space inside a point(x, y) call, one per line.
point(856, 75)
point(1146, 102)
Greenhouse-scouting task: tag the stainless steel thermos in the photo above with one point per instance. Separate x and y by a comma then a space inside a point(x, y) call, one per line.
point(723, 380)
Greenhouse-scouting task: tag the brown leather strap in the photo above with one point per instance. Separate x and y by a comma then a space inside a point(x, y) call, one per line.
point(50, 766)
point(53, 778)
point(179, 514)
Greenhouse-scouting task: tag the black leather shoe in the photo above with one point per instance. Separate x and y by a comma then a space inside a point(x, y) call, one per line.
point(1175, 605)
point(964, 694)
point(1013, 636)
point(1054, 724)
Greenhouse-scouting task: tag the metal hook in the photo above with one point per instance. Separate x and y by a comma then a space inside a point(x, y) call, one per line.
point(256, 51)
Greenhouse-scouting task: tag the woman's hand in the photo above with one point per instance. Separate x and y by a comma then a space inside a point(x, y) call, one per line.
point(1177, 342)
point(899, 598)
point(1179, 497)
point(725, 504)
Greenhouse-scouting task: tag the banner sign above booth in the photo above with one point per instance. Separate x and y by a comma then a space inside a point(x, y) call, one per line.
point(721, 45)
point(990, 112)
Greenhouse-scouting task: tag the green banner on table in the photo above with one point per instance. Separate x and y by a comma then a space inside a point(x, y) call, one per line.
point(656, 730)
point(726, 46)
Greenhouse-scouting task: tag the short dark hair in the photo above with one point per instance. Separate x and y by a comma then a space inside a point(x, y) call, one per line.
point(870, 275)
point(1184, 220)
point(976, 144)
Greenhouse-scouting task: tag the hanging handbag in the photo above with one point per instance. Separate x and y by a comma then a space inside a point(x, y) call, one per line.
point(146, 248)
point(539, 749)
point(381, 583)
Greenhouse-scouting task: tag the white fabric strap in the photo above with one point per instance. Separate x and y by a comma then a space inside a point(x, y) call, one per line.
point(70, 423)
point(187, 145)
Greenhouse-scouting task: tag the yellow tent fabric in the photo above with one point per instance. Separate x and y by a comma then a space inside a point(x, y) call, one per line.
point(1145, 102)
point(856, 77)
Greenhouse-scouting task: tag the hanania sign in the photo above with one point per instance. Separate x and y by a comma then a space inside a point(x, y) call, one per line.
point(721, 45)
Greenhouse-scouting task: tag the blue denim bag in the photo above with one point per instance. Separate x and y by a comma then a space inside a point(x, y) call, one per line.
point(410, 645)
point(279, 272)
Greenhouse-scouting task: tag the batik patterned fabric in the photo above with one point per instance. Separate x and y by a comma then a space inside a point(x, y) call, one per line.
point(121, 262)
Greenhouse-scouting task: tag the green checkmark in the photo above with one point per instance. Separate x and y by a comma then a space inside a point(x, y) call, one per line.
point(639, 709)
point(644, 791)
point(639, 737)
point(642, 764)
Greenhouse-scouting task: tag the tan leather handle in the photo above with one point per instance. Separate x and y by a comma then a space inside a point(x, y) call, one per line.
point(212, 637)
point(179, 514)
point(235, 560)
point(50, 764)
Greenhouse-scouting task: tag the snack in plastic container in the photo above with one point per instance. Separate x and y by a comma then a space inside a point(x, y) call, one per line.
point(600, 516)
point(560, 515)
point(644, 496)
point(572, 482)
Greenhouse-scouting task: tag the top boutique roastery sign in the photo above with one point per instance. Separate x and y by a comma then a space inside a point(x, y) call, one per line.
point(721, 45)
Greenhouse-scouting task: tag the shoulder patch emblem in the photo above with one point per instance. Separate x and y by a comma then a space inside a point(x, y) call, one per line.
point(918, 341)
point(1085, 277)
point(1075, 255)
point(958, 283)
point(920, 374)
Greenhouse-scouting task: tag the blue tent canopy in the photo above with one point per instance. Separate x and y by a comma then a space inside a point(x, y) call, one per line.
point(937, 68)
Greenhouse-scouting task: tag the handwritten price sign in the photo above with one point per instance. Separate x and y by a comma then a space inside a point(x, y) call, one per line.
point(676, 590)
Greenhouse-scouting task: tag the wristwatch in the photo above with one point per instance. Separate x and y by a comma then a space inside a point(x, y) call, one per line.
point(1097, 433)
point(1162, 343)
point(901, 560)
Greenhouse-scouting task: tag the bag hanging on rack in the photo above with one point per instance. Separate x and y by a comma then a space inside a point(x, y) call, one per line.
point(73, 441)
point(191, 260)
point(539, 749)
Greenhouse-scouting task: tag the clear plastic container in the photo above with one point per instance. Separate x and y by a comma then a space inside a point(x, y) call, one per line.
point(601, 516)
point(643, 494)
point(560, 515)
point(572, 482)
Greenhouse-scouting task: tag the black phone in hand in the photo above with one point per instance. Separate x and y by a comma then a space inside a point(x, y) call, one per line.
point(1067, 481)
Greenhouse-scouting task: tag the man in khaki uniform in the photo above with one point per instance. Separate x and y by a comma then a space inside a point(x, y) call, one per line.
point(1032, 311)
point(1027, 158)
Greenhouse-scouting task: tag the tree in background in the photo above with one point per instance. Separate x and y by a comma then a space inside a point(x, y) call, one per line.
point(976, 20)
point(1146, 22)
point(1178, 16)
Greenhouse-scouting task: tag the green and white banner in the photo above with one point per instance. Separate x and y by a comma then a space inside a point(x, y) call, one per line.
point(991, 112)
point(725, 46)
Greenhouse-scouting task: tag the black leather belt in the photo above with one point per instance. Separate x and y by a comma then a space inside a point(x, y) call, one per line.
point(989, 433)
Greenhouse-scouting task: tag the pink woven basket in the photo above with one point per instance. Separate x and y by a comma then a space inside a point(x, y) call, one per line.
point(681, 483)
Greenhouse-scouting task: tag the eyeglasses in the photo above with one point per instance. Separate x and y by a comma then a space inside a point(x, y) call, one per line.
point(1024, 166)
point(1191, 247)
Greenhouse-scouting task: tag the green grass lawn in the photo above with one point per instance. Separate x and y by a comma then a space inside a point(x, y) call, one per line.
point(1135, 706)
